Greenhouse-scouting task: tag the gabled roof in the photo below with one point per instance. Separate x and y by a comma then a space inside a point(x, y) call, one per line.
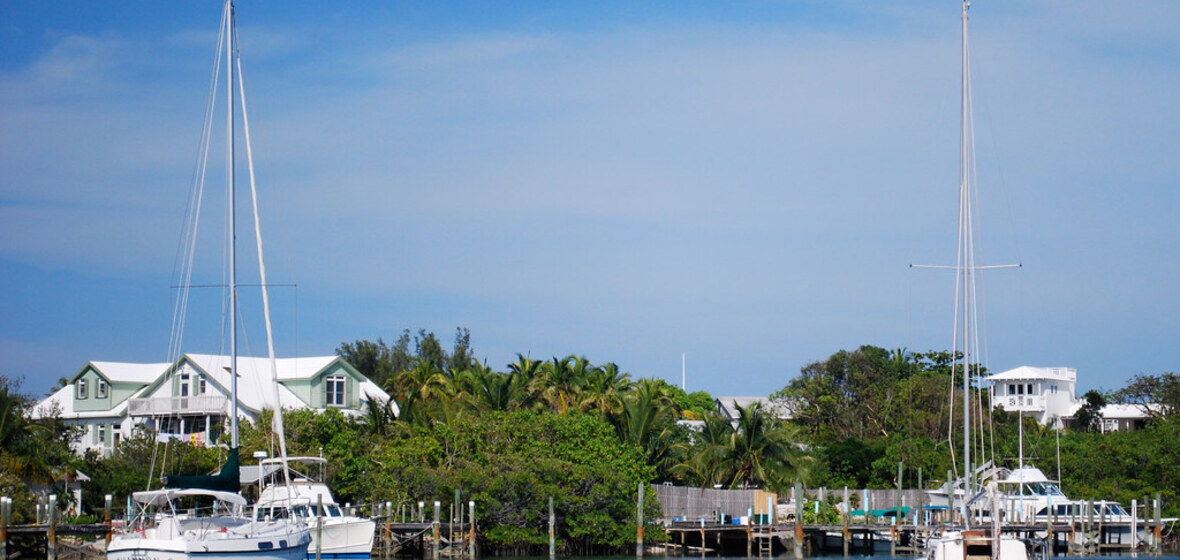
point(64, 399)
point(1030, 373)
point(131, 373)
point(255, 390)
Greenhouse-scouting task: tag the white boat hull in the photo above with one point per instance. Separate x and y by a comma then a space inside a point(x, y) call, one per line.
point(211, 539)
point(349, 537)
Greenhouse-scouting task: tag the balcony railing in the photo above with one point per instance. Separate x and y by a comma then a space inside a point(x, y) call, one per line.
point(1021, 402)
point(160, 406)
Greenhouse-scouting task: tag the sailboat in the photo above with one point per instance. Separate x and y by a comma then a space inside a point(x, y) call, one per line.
point(166, 525)
point(967, 543)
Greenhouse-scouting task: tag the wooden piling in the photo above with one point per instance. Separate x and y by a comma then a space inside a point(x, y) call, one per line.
point(1134, 525)
point(919, 518)
point(798, 520)
point(950, 498)
point(639, 524)
point(51, 535)
point(437, 506)
point(552, 531)
point(1158, 531)
point(319, 526)
point(106, 517)
point(847, 516)
point(5, 518)
point(471, 535)
point(749, 532)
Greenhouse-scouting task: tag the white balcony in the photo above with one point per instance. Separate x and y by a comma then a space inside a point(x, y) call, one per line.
point(1026, 403)
point(163, 406)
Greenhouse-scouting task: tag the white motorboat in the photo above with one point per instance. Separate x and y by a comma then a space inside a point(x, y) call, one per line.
point(335, 533)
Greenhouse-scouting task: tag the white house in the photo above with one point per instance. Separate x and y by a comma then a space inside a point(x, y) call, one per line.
point(190, 398)
point(1044, 392)
point(1050, 395)
point(727, 407)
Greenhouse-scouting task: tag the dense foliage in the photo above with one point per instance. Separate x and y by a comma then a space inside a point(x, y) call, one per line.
point(587, 435)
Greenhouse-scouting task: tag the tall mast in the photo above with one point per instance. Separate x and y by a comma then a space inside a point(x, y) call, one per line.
point(233, 228)
point(965, 249)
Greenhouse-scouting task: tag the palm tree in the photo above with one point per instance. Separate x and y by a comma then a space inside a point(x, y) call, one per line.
point(604, 389)
point(647, 419)
point(379, 416)
point(705, 463)
point(485, 389)
point(420, 390)
point(763, 451)
point(559, 381)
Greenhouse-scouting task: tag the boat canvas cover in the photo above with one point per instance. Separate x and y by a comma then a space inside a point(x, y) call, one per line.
point(227, 480)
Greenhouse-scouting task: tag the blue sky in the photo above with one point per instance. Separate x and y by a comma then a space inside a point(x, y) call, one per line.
point(745, 183)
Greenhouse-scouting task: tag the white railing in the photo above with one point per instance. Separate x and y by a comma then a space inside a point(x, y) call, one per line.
point(1021, 402)
point(200, 404)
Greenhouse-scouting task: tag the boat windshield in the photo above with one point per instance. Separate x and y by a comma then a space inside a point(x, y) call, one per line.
point(1041, 489)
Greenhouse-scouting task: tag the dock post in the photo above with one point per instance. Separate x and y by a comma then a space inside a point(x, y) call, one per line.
point(5, 515)
point(897, 509)
point(1089, 527)
point(471, 521)
point(866, 505)
point(1158, 531)
point(950, 499)
point(1102, 536)
point(1049, 521)
point(319, 526)
point(847, 516)
point(552, 531)
point(639, 524)
point(437, 506)
point(919, 519)
point(106, 516)
point(749, 533)
point(798, 520)
point(1134, 525)
point(51, 535)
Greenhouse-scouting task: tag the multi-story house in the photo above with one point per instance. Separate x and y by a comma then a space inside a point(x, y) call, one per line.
point(1044, 392)
point(190, 398)
point(1050, 395)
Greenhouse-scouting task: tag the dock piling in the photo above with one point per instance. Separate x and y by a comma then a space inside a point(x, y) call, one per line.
point(106, 516)
point(51, 535)
point(5, 518)
point(437, 506)
point(639, 524)
point(798, 520)
point(471, 521)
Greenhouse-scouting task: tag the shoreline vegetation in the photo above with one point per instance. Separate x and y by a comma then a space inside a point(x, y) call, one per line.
point(587, 434)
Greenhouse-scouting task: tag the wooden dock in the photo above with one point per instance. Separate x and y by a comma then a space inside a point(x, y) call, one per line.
point(1075, 539)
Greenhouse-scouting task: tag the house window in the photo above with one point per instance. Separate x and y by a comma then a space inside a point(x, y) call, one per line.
point(1011, 388)
point(102, 434)
point(201, 386)
point(1030, 388)
point(100, 389)
point(1053, 389)
point(81, 388)
point(1020, 389)
point(335, 390)
point(184, 385)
